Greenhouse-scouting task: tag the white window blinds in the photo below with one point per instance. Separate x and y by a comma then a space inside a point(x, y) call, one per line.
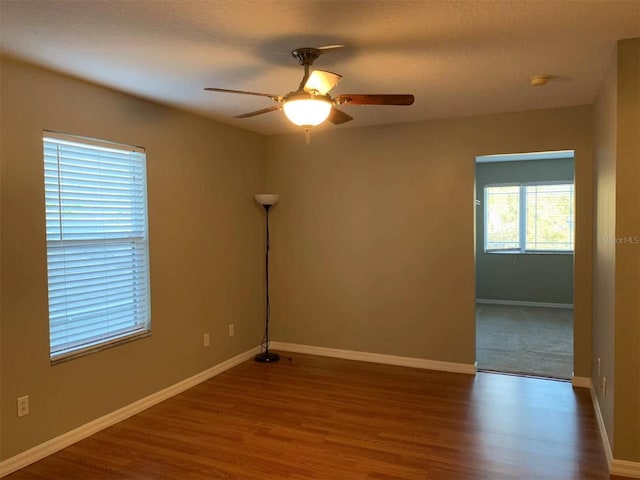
point(97, 243)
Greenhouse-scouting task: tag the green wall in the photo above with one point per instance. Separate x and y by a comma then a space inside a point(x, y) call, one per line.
point(536, 277)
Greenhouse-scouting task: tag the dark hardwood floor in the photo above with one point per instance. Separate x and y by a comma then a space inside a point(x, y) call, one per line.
point(323, 418)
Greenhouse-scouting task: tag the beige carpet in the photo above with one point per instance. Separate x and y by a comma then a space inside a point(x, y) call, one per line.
point(526, 340)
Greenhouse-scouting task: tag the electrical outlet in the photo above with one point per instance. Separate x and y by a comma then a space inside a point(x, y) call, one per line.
point(23, 406)
point(206, 340)
point(232, 330)
point(598, 366)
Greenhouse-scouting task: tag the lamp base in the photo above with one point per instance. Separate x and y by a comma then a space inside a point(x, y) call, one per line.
point(267, 357)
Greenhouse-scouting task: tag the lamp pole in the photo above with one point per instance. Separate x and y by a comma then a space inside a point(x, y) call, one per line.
point(265, 356)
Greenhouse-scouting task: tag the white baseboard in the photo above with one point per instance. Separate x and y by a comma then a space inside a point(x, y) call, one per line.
point(622, 468)
point(601, 427)
point(581, 382)
point(376, 358)
point(62, 441)
point(517, 303)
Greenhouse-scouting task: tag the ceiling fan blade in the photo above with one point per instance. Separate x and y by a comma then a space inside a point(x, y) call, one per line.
point(338, 116)
point(321, 81)
point(363, 99)
point(330, 47)
point(258, 112)
point(242, 92)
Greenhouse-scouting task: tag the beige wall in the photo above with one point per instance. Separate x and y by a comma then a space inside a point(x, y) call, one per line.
point(626, 430)
point(616, 324)
point(605, 121)
point(373, 241)
point(206, 247)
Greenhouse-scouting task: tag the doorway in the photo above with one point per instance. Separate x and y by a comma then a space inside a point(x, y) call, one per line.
point(525, 206)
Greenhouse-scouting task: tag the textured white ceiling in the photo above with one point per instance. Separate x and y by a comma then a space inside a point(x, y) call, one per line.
point(457, 57)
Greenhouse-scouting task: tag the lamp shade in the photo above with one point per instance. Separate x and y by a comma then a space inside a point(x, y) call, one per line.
point(307, 110)
point(266, 198)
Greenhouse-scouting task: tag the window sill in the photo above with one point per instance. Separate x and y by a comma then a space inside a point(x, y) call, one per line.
point(65, 357)
point(529, 252)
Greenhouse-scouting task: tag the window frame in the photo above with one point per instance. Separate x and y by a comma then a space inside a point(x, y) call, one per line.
point(522, 219)
point(140, 325)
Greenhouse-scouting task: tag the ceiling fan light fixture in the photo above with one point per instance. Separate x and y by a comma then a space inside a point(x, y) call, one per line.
point(307, 110)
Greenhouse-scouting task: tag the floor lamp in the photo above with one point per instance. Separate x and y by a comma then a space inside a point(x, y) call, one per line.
point(267, 200)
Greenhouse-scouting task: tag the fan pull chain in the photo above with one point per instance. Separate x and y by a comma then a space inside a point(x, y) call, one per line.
point(307, 136)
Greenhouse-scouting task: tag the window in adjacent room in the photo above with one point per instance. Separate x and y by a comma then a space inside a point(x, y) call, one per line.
point(97, 244)
point(529, 218)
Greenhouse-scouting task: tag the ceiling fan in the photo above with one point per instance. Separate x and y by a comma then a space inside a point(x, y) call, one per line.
point(311, 104)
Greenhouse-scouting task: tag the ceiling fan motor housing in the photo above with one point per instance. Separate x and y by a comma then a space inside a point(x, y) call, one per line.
point(306, 55)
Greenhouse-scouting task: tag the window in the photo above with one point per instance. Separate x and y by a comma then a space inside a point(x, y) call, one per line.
point(529, 218)
point(97, 244)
